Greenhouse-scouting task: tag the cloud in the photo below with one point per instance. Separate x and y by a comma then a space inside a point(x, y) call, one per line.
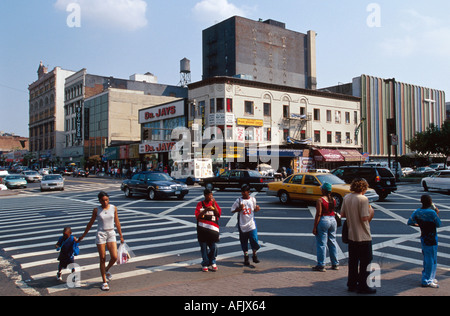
point(119, 14)
point(212, 11)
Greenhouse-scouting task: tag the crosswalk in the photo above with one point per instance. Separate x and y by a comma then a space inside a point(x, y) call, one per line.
point(69, 188)
point(162, 234)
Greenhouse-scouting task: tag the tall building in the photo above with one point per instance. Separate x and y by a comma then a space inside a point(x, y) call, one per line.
point(262, 51)
point(413, 108)
point(46, 115)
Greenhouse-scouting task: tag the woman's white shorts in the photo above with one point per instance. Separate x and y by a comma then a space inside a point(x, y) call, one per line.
point(104, 237)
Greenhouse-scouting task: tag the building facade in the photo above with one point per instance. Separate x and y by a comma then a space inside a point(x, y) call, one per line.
point(271, 120)
point(263, 51)
point(46, 115)
point(413, 108)
point(112, 124)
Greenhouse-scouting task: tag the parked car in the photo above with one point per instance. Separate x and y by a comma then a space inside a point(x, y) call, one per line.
point(154, 185)
point(381, 179)
point(440, 180)
point(307, 187)
point(64, 171)
point(31, 176)
point(52, 182)
point(438, 166)
point(424, 171)
point(15, 181)
point(236, 178)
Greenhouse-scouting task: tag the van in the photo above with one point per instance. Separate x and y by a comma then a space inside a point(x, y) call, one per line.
point(192, 171)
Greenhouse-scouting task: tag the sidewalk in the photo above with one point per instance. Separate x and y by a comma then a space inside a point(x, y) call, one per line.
point(265, 279)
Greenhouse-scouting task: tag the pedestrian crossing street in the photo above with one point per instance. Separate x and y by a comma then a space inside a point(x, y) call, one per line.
point(162, 234)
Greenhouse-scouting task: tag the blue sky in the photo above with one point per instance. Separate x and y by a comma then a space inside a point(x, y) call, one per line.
point(408, 40)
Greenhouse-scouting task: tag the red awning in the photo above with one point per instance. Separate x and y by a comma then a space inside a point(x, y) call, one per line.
point(328, 155)
point(352, 155)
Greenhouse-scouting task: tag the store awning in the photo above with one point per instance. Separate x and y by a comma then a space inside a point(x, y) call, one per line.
point(328, 155)
point(352, 155)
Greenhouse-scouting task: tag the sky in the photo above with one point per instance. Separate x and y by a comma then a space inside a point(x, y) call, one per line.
point(406, 40)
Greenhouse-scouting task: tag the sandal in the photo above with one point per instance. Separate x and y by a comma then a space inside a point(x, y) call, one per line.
point(105, 287)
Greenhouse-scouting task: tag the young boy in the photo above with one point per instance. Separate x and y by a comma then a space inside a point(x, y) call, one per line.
point(207, 214)
point(246, 207)
point(428, 220)
point(66, 253)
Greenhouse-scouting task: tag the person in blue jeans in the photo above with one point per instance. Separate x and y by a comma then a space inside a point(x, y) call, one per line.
point(325, 227)
point(427, 219)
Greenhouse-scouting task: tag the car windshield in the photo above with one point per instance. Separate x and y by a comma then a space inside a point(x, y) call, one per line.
point(52, 177)
point(13, 178)
point(329, 178)
point(158, 177)
point(253, 173)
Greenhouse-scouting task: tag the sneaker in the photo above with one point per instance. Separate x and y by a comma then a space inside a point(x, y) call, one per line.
point(319, 269)
point(108, 276)
point(105, 287)
point(432, 285)
point(335, 267)
point(58, 276)
point(214, 267)
point(205, 269)
point(246, 260)
point(255, 259)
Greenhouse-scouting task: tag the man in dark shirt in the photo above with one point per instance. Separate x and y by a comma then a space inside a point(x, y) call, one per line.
point(428, 220)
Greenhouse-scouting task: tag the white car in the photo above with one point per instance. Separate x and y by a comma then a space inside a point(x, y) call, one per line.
point(52, 182)
point(440, 180)
point(44, 171)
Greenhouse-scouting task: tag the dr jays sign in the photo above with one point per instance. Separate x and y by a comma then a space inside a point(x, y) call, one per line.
point(162, 112)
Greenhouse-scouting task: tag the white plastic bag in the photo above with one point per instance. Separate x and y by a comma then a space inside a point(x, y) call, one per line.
point(124, 254)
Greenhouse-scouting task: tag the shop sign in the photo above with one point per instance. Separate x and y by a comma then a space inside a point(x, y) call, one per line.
point(250, 122)
point(162, 112)
point(156, 147)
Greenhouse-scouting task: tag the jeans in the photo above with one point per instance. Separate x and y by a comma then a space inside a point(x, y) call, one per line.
point(326, 236)
point(245, 237)
point(360, 256)
point(429, 263)
point(209, 253)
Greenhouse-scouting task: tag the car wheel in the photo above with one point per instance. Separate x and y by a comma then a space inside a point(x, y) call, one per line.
point(151, 194)
point(189, 181)
point(284, 197)
point(338, 200)
point(209, 186)
point(180, 197)
point(128, 193)
point(425, 186)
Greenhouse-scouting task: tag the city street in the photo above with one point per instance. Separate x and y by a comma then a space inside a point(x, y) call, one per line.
point(162, 234)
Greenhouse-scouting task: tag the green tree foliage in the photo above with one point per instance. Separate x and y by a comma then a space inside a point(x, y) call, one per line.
point(435, 140)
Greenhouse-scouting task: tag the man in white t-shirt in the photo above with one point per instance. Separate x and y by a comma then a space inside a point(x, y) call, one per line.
point(246, 207)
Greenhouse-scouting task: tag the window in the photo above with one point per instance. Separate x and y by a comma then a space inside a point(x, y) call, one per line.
point(229, 105)
point(267, 134)
point(328, 115)
point(347, 117)
point(316, 115)
point(317, 136)
point(329, 137)
point(303, 135)
point(267, 109)
point(285, 133)
point(250, 133)
point(302, 110)
point(347, 138)
point(337, 116)
point(212, 106)
point(338, 137)
point(297, 179)
point(286, 111)
point(220, 105)
point(249, 108)
point(229, 133)
point(311, 180)
point(355, 117)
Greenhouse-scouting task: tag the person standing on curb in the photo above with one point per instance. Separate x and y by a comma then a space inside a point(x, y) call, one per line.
point(427, 219)
point(106, 217)
point(325, 228)
point(246, 208)
point(359, 214)
point(207, 214)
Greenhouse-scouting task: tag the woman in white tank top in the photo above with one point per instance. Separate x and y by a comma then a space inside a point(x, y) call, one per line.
point(107, 219)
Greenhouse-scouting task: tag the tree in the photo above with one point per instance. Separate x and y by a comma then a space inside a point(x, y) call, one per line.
point(434, 140)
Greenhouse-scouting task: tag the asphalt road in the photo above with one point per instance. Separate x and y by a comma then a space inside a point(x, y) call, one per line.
point(162, 235)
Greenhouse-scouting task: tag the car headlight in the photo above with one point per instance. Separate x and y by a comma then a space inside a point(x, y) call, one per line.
point(184, 186)
point(162, 187)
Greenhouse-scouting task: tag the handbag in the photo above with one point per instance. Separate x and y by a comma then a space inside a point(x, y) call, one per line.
point(345, 232)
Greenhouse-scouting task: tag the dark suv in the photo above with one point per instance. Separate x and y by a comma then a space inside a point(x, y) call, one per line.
point(381, 179)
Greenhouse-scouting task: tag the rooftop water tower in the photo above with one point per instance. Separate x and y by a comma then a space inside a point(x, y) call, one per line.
point(185, 72)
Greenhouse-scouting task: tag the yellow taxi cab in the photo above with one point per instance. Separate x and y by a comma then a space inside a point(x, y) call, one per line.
point(306, 187)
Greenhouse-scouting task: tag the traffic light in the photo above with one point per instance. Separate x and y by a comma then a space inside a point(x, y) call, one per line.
point(391, 126)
